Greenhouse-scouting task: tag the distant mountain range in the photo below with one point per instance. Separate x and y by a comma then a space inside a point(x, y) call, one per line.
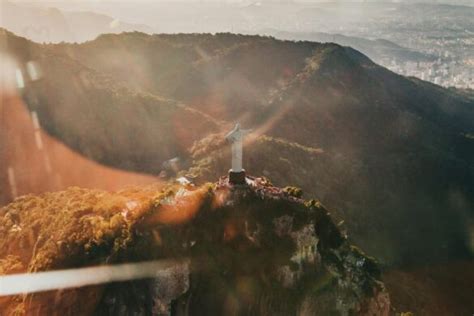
point(378, 50)
point(414, 39)
point(51, 25)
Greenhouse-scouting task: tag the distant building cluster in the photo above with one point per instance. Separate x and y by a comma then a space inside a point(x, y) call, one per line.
point(441, 72)
point(446, 43)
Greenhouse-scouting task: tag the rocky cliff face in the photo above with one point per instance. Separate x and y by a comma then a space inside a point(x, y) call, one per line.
point(249, 249)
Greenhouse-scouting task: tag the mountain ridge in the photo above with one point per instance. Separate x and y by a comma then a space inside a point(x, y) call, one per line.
point(378, 132)
point(392, 156)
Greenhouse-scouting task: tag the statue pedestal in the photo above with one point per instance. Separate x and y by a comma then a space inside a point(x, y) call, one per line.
point(237, 177)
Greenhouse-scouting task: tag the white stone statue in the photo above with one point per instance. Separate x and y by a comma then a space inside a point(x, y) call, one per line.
point(236, 138)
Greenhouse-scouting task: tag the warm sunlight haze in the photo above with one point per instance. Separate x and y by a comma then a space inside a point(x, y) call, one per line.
point(237, 157)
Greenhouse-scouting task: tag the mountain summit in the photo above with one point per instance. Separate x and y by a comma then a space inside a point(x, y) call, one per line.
point(251, 248)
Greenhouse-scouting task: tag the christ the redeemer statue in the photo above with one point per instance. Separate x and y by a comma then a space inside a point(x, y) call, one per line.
point(237, 174)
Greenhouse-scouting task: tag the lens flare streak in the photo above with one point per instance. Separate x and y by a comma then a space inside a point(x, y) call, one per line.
point(53, 280)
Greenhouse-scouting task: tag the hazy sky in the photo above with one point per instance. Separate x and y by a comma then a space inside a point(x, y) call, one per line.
point(469, 2)
point(77, 4)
